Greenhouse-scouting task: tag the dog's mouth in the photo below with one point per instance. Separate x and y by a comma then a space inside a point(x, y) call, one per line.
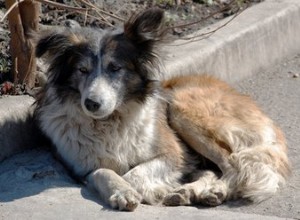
point(103, 116)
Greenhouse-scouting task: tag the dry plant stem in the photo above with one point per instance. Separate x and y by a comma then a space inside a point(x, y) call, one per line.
point(102, 18)
point(81, 10)
point(59, 5)
point(205, 18)
point(88, 3)
point(55, 4)
point(16, 73)
point(206, 34)
point(29, 11)
point(105, 19)
point(96, 18)
point(76, 9)
point(10, 9)
point(213, 31)
point(21, 22)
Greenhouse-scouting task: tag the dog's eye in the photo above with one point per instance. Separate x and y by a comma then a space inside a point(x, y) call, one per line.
point(83, 70)
point(114, 67)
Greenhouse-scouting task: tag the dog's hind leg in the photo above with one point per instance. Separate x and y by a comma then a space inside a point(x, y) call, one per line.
point(245, 144)
point(197, 136)
point(206, 190)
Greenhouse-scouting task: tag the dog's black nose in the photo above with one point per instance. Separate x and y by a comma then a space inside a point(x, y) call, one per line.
point(91, 105)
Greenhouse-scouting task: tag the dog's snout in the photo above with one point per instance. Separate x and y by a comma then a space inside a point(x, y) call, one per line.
point(91, 105)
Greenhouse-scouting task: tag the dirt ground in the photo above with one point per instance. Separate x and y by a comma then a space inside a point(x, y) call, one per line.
point(206, 11)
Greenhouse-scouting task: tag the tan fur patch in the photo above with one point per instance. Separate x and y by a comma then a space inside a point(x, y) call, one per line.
point(229, 129)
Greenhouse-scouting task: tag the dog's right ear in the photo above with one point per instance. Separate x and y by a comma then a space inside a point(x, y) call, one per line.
point(145, 27)
point(55, 43)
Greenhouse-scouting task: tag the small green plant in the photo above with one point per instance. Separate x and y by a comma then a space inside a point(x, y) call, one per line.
point(169, 2)
point(208, 2)
point(240, 2)
point(4, 65)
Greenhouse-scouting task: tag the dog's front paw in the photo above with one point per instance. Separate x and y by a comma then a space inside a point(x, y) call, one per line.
point(125, 200)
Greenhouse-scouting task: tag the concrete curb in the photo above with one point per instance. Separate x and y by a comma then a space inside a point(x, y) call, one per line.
point(258, 38)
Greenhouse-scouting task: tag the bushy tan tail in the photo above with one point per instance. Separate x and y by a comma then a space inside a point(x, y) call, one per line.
point(257, 172)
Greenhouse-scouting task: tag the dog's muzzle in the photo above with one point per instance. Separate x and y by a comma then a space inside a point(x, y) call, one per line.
point(99, 98)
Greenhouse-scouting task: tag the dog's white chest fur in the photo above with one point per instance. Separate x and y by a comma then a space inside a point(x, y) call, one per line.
point(118, 143)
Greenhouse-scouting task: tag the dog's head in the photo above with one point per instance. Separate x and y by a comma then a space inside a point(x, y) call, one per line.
point(107, 68)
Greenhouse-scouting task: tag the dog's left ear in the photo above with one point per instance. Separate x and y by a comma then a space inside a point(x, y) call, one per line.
point(145, 27)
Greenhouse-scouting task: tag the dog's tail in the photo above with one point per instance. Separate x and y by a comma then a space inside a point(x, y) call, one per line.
point(257, 172)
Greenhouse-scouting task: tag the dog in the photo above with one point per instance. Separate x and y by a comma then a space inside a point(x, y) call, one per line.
point(133, 138)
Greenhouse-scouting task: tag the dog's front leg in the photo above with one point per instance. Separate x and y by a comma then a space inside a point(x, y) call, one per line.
point(114, 190)
point(154, 179)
